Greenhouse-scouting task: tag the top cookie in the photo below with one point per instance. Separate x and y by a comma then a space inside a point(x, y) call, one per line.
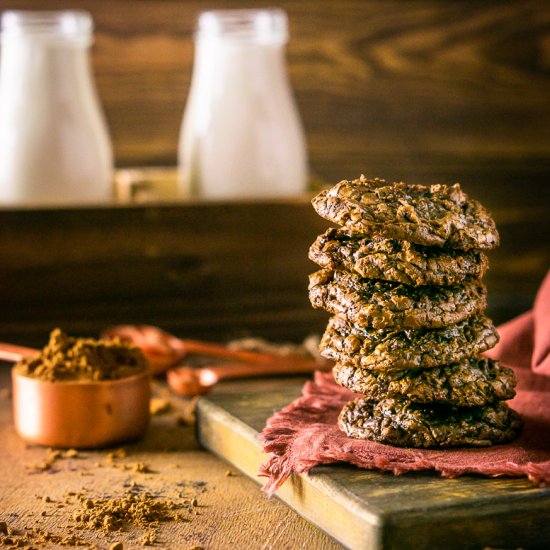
point(438, 215)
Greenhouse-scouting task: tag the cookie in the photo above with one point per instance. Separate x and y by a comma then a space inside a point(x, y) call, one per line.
point(398, 261)
point(383, 304)
point(436, 215)
point(391, 349)
point(471, 383)
point(406, 424)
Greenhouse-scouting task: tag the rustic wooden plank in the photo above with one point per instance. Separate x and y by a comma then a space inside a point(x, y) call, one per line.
point(208, 270)
point(199, 269)
point(232, 512)
point(376, 511)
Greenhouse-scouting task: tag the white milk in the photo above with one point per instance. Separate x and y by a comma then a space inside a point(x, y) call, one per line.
point(54, 144)
point(241, 135)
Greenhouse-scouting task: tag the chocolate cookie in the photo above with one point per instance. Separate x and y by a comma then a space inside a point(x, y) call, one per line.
point(405, 424)
point(436, 215)
point(474, 382)
point(383, 304)
point(399, 261)
point(370, 348)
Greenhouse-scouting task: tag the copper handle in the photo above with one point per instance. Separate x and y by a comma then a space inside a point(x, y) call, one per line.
point(194, 381)
point(164, 350)
point(217, 350)
point(13, 353)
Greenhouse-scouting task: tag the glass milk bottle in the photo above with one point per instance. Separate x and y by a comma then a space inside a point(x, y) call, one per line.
point(241, 135)
point(54, 144)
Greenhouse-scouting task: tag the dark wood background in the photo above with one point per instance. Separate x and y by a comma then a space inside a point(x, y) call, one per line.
point(422, 91)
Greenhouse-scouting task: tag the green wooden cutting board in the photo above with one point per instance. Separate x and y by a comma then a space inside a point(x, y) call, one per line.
point(372, 510)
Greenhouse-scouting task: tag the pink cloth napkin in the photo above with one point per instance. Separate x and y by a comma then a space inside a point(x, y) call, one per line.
point(525, 340)
point(304, 434)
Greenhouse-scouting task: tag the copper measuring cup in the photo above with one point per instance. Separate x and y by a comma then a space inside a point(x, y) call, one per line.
point(77, 414)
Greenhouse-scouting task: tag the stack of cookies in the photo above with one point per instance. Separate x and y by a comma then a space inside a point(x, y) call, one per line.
point(402, 279)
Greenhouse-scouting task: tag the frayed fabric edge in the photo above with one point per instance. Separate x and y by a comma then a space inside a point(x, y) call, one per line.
point(278, 435)
point(279, 468)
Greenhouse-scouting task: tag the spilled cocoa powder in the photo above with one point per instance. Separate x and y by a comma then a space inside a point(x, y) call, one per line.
point(117, 454)
point(149, 538)
point(113, 460)
point(66, 358)
point(36, 537)
point(53, 455)
point(136, 508)
point(132, 509)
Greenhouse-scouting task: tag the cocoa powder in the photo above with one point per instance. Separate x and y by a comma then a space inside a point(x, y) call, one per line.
point(66, 358)
point(138, 509)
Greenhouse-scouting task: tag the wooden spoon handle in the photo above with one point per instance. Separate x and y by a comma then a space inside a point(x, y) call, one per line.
point(13, 353)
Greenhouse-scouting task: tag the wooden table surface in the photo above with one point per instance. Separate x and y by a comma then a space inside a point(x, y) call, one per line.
point(232, 511)
point(211, 271)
